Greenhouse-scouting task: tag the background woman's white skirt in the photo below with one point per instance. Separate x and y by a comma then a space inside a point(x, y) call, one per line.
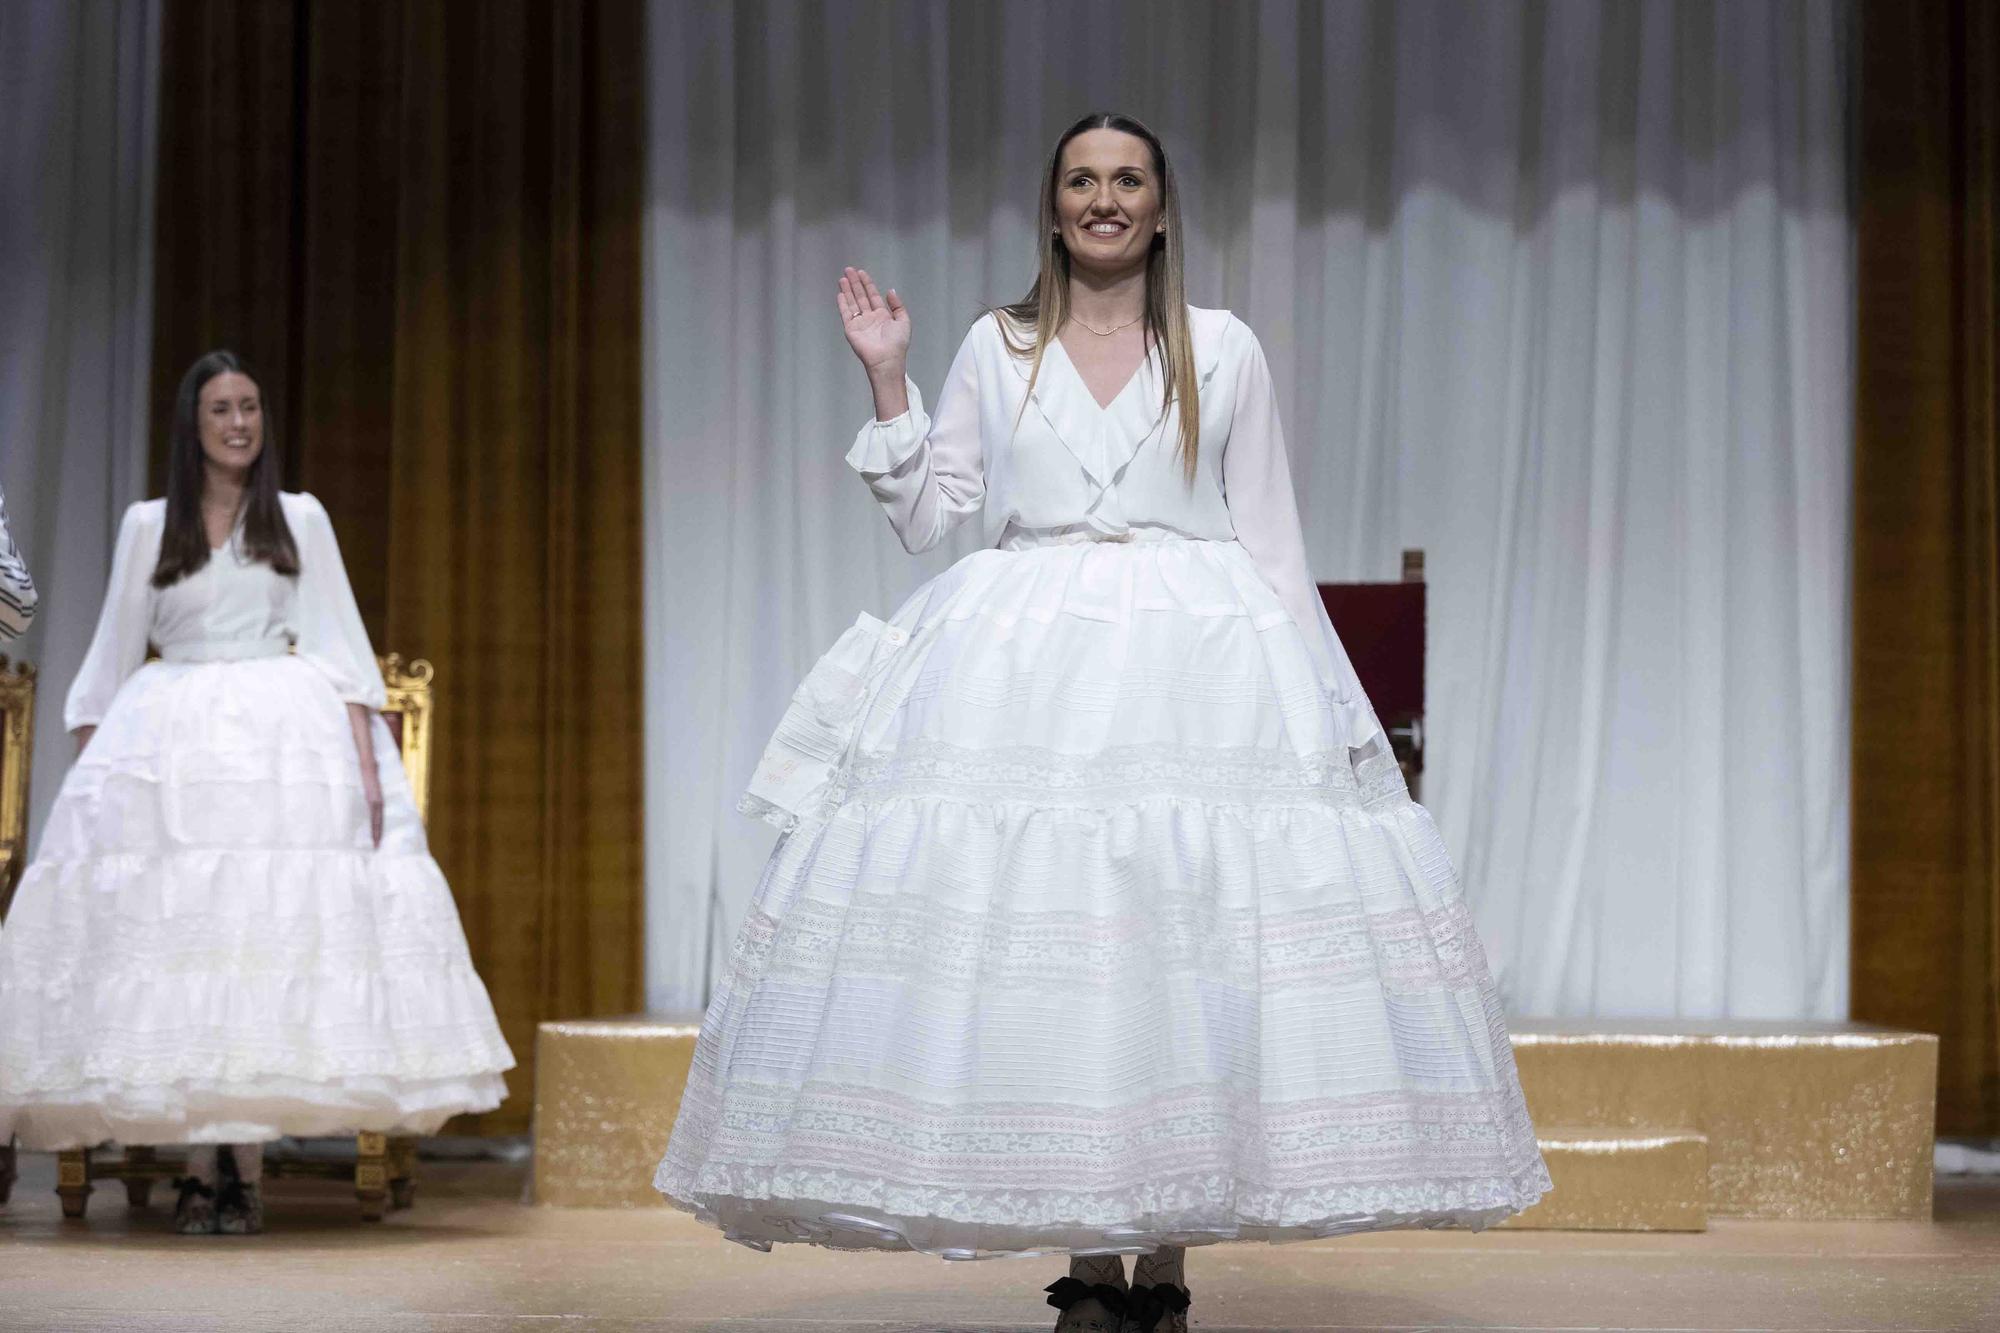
point(206, 948)
point(1097, 924)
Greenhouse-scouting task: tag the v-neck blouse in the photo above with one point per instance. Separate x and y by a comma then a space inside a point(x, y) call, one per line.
point(1061, 349)
point(227, 609)
point(1054, 464)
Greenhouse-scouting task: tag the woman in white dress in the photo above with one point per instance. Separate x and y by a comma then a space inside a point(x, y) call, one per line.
point(1102, 922)
point(233, 929)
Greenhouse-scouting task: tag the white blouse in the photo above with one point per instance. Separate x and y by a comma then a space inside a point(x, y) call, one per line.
point(229, 609)
point(1075, 470)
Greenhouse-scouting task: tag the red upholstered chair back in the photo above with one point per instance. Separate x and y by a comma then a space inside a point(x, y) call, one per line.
point(1382, 626)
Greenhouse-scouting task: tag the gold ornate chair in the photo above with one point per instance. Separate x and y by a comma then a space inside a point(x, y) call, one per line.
point(17, 752)
point(384, 1168)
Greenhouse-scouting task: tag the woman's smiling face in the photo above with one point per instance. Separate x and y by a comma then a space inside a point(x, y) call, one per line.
point(1108, 200)
point(231, 418)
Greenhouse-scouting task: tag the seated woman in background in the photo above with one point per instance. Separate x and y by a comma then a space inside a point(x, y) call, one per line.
point(17, 590)
point(234, 929)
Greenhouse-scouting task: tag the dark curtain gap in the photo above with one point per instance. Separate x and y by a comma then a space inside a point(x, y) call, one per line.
point(1926, 817)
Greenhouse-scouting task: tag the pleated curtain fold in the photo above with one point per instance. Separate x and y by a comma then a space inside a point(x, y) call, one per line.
point(1926, 904)
point(79, 103)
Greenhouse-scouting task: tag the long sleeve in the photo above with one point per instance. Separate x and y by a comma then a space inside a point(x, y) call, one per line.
point(1257, 485)
point(17, 590)
point(118, 648)
point(926, 472)
point(330, 633)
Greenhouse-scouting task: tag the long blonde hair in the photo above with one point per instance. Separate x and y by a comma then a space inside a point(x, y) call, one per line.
point(1045, 309)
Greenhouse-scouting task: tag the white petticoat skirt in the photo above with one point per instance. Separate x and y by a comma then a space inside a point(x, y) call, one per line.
point(1096, 925)
point(206, 948)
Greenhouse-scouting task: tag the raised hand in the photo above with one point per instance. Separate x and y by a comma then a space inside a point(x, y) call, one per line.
point(877, 326)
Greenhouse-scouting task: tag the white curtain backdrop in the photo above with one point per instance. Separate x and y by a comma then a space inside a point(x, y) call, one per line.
point(1559, 293)
point(79, 92)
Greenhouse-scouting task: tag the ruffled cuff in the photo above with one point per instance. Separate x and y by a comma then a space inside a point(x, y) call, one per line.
point(884, 446)
point(352, 686)
point(75, 719)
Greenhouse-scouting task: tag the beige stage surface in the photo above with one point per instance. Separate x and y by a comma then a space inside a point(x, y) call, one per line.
point(470, 1257)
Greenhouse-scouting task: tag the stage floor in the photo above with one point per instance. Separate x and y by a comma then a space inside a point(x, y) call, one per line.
point(470, 1257)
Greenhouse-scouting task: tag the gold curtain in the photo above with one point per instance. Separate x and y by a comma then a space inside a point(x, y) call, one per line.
point(421, 221)
point(1926, 816)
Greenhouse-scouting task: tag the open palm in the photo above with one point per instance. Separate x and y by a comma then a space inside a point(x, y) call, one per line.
point(877, 326)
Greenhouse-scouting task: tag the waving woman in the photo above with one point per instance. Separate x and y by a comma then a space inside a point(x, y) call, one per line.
point(1102, 922)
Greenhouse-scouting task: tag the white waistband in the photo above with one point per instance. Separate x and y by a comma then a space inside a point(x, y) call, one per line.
point(1027, 539)
point(223, 650)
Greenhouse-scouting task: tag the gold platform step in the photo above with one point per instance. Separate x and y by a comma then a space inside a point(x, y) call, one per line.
point(606, 1094)
point(1799, 1120)
point(1607, 1181)
point(1804, 1121)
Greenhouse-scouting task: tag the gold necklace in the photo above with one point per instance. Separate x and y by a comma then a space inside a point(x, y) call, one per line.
point(1106, 333)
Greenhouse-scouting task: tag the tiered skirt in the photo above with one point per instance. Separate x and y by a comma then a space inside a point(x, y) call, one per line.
point(1098, 922)
point(207, 947)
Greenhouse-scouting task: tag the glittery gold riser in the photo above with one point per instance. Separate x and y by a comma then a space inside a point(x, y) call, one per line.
point(1621, 1182)
point(606, 1093)
point(1804, 1121)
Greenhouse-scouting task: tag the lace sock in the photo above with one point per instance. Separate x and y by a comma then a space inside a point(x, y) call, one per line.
point(1166, 1264)
point(201, 1163)
point(1159, 1301)
point(1092, 1297)
point(1092, 1269)
point(249, 1161)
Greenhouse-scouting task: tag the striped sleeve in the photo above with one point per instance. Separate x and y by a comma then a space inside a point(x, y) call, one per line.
point(17, 590)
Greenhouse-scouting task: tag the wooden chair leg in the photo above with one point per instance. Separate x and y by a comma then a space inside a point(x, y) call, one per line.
point(141, 1165)
point(73, 1181)
point(371, 1175)
point(402, 1173)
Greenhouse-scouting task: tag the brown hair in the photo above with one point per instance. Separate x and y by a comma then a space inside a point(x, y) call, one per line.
point(1045, 309)
point(184, 542)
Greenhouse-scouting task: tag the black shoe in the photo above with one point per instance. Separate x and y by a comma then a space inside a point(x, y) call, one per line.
point(194, 1210)
point(241, 1211)
point(1157, 1309)
point(1087, 1307)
